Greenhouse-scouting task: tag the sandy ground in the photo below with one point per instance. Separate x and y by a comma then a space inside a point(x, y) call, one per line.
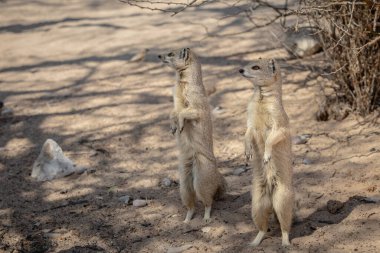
point(65, 71)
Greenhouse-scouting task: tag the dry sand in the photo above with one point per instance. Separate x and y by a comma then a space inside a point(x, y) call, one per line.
point(64, 70)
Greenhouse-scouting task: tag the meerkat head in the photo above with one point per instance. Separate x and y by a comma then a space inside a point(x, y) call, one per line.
point(178, 59)
point(261, 72)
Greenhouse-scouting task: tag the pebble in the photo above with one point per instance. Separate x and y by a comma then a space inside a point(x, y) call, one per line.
point(307, 161)
point(217, 110)
point(125, 199)
point(55, 233)
point(301, 139)
point(179, 249)
point(167, 182)
point(239, 171)
point(6, 112)
point(139, 203)
point(334, 206)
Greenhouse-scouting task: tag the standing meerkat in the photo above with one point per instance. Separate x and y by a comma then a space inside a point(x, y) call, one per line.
point(192, 126)
point(268, 145)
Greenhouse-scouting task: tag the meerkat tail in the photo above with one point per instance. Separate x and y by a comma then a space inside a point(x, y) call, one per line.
point(222, 189)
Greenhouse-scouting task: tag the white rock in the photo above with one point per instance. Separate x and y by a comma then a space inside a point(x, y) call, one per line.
point(166, 182)
point(179, 249)
point(217, 110)
point(303, 42)
point(125, 199)
point(301, 139)
point(307, 161)
point(239, 171)
point(52, 163)
point(139, 203)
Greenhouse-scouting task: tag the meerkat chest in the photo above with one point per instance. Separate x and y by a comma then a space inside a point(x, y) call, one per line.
point(180, 100)
point(262, 120)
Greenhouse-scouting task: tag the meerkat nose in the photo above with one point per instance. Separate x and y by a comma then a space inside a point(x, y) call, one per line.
point(159, 56)
point(241, 71)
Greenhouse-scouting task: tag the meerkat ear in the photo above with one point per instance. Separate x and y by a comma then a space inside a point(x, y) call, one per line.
point(272, 65)
point(184, 54)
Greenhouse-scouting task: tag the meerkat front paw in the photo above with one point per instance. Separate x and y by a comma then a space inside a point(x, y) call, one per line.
point(189, 216)
point(173, 126)
point(181, 124)
point(173, 122)
point(248, 155)
point(207, 220)
point(267, 157)
point(248, 151)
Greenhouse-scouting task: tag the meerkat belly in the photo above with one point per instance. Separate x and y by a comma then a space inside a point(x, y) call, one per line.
point(262, 126)
point(266, 175)
point(200, 138)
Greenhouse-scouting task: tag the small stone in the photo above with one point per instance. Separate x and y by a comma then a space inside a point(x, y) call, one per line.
point(167, 182)
point(139, 203)
point(301, 139)
point(125, 199)
point(334, 206)
point(57, 233)
point(217, 110)
point(179, 249)
point(6, 112)
point(302, 43)
point(307, 161)
point(239, 171)
point(206, 229)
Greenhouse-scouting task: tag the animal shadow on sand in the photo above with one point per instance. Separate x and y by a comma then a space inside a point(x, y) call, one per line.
point(332, 213)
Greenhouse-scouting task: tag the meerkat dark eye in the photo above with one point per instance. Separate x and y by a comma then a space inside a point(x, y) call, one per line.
point(255, 67)
point(171, 54)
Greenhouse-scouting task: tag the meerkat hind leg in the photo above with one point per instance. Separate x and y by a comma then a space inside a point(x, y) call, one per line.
point(261, 210)
point(207, 216)
point(259, 237)
point(283, 206)
point(186, 189)
point(189, 215)
point(285, 239)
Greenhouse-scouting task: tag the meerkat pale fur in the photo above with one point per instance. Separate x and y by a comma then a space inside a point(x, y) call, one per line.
point(191, 124)
point(268, 145)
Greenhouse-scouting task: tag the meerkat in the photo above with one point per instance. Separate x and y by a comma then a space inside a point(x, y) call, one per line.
point(191, 124)
point(268, 145)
